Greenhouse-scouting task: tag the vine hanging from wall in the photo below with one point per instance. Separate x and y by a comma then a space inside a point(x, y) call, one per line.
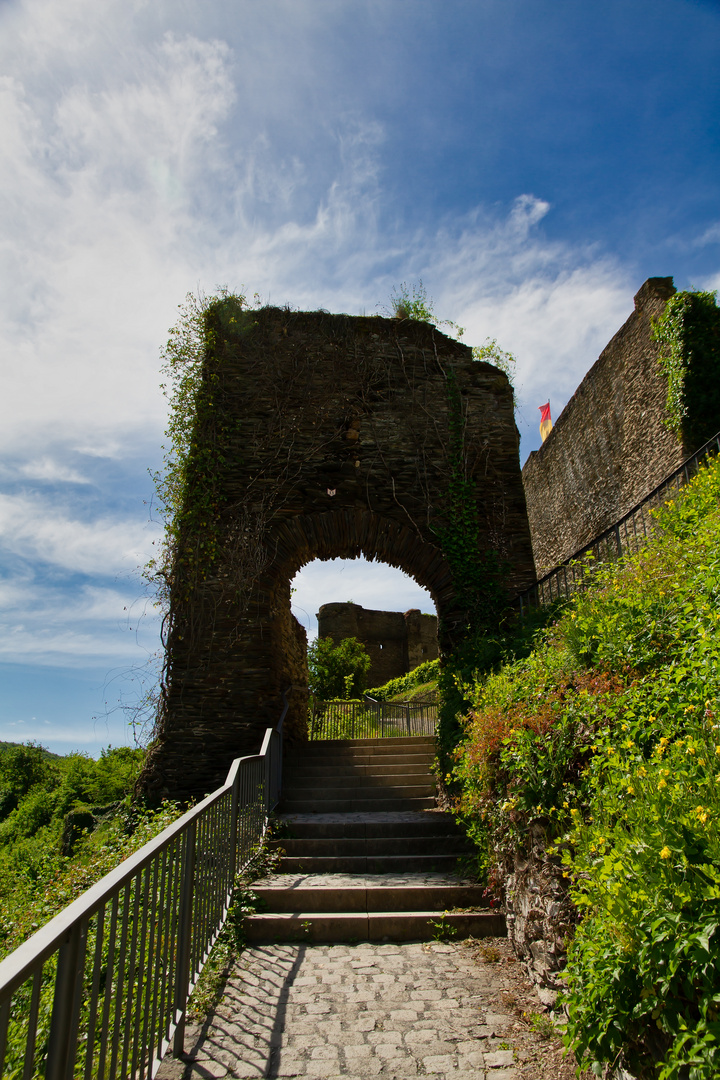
point(688, 333)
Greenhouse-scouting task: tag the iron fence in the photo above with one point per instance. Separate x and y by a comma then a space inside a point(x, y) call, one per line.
point(625, 537)
point(101, 990)
point(371, 719)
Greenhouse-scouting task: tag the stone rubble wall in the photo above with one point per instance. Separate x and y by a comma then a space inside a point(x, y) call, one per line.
point(539, 913)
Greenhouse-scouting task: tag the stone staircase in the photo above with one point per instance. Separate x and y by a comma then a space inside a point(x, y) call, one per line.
point(368, 855)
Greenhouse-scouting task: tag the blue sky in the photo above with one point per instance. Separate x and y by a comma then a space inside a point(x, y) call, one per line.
point(532, 161)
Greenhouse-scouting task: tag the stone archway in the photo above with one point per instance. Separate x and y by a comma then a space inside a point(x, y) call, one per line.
point(322, 436)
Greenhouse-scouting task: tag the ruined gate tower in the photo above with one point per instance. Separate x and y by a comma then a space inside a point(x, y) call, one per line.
point(321, 436)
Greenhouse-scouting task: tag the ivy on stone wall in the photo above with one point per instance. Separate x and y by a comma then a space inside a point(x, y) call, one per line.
point(688, 333)
point(478, 577)
point(188, 485)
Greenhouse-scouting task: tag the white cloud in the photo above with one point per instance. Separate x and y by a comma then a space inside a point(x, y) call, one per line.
point(710, 236)
point(49, 470)
point(31, 529)
point(139, 164)
point(373, 585)
point(104, 199)
point(54, 627)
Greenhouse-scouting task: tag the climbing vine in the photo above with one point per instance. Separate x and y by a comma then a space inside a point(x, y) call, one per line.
point(688, 333)
point(479, 576)
point(479, 579)
point(188, 485)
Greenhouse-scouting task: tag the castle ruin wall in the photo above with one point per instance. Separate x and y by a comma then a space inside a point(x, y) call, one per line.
point(610, 446)
point(395, 643)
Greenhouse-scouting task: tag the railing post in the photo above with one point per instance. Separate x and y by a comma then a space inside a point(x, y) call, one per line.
point(267, 781)
point(234, 816)
point(182, 969)
point(62, 1043)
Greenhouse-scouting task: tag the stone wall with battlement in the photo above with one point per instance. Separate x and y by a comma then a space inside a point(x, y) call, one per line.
point(395, 642)
point(610, 446)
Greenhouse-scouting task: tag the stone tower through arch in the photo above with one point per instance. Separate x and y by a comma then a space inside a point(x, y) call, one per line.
point(321, 436)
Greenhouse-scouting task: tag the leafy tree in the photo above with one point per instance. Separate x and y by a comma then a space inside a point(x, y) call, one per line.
point(337, 671)
point(21, 768)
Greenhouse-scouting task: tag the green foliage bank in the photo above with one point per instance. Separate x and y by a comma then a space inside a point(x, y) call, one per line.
point(608, 735)
point(64, 823)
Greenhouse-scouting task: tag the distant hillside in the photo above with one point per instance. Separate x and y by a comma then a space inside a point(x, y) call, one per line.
point(46, 752)
point(421, 682)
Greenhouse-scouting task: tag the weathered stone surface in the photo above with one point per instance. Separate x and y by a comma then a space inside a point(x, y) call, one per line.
point(610, 446)
point(539, 913)
point(356, 1011)
point(395, 642)
point(335, 437)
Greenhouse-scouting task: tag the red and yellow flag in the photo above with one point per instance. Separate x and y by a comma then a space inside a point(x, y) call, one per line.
point(545, 421)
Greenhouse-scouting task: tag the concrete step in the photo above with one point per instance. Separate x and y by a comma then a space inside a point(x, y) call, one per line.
point(320, 794)
point(354, 805)
point(349, 898)
point(369, 864)
point(354, 780)
point(301, 761)
point(398, 845)
point(373, 773)
point(372, 926)
point(395, 742)
point(370, 826)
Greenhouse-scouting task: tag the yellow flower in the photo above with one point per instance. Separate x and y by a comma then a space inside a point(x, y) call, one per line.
point(665, 853)
point(662, 784)
point(630, 789)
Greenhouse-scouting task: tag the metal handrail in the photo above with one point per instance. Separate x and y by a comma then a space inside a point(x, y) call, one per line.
point(101, 990)
point(624, 537)
point(371, 719)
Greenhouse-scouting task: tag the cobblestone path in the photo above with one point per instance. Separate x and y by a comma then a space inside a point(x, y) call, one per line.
point(356, 1011)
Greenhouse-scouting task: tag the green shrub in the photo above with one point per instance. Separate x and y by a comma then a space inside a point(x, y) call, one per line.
point(609, 732)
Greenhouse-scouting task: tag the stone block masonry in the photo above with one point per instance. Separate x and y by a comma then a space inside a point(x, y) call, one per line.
point(395, 643)
point(325, 436)
point(610, 445)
